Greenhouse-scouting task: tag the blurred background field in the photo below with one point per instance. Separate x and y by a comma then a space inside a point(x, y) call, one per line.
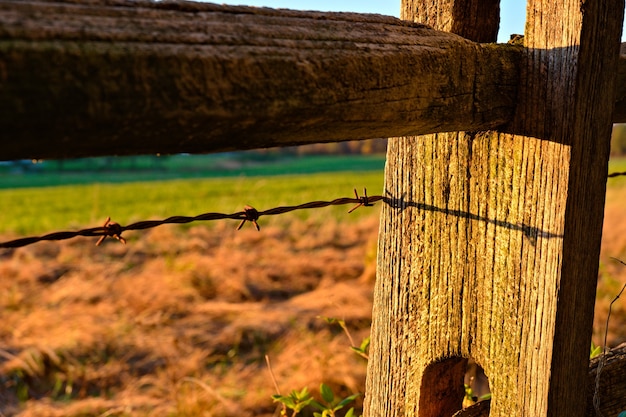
point(37, 210)
point(363, 155)
point(178, 321)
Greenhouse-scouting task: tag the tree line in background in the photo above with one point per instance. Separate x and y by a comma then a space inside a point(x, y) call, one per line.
point(183, 161)
point(353, 147)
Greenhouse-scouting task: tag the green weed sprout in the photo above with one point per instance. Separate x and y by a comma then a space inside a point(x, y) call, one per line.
point(332, 404)
point(595, 351)
point(360, 350)
point(470, 397)
point(295, 401)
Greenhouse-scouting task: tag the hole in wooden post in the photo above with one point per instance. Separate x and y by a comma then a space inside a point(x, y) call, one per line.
point(450, 386)
point(442, 390)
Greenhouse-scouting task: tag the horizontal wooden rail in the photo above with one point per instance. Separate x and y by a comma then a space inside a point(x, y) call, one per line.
point(119, 77)
point(106, 77)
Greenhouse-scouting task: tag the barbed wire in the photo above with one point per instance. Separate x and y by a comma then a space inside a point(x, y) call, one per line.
point(249, 214)
point(115, 230)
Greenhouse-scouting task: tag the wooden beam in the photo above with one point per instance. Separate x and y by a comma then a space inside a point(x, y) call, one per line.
point(106, 77)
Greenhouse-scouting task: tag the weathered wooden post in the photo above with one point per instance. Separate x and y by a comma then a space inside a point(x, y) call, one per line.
point(490, 247)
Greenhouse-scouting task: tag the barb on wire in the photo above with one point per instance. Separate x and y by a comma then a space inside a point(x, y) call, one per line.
point(250, 214)
point(111, 229)
point(364, 201)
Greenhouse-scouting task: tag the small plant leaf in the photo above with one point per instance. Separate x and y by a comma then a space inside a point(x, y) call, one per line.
point(287, 401)
point(302, 394)
point(365, 344)
point(595, 351)
point(318, 405)
point(485, 397)
point(295, 401)
point(277, 398)
point(362, 350)
point(350, 412)
point(332, 320)
point(327, 393)
point(347, 400)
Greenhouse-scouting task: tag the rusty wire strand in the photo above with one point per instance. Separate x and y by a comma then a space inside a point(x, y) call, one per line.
point(112, 229)
point(115, 230)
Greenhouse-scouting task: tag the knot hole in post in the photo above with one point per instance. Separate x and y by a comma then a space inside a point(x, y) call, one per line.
point(454, 387)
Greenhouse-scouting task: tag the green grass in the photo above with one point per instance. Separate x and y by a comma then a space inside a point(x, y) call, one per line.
point(28, 211)
point(617, 164)
point(36, 210)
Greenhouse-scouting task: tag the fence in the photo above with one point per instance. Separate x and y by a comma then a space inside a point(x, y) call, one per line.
point(490, 239)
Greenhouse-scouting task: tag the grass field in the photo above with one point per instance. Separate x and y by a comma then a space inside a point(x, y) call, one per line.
point(26, 211)
point(178, 322)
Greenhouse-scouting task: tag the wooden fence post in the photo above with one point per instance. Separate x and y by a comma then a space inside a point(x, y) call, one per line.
point(489, 249)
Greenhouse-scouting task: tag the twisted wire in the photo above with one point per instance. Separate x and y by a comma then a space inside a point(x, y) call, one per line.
point(115, 230)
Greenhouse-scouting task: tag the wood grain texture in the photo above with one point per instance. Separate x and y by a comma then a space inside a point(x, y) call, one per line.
point(106, 77)
point(489, 249)
point(475, 20)
point(424, 256)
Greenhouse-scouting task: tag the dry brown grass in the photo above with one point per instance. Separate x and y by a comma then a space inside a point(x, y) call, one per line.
point(612, 274)
point(177, 322)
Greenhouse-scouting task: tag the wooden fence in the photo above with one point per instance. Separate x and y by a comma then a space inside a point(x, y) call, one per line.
point(489, 246)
